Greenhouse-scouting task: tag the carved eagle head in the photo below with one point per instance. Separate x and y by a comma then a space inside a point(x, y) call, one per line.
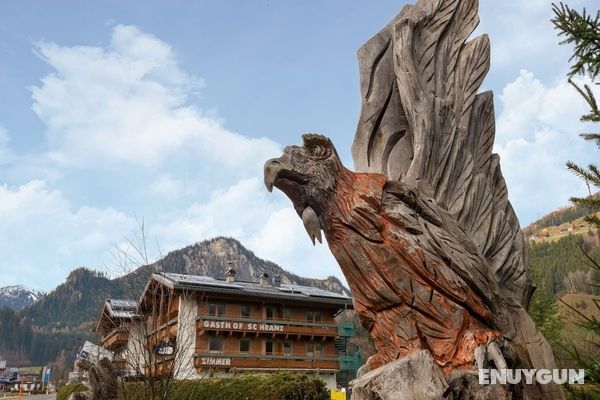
point(307, 175)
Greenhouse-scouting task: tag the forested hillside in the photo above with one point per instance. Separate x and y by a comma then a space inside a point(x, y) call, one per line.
point(81, 294)
point(556, 218)
point(22, 345)
point(560, 267)
point(564, 279)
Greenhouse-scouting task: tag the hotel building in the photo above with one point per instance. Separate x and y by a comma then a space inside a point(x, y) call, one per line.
point(198, 326)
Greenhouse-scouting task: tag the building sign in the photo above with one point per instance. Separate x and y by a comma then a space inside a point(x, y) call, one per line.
point(243, 326)
point(215, 361)
point(164, 350)
point(46, 374)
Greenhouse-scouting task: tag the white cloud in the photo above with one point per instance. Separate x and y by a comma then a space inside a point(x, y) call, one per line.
point(537, 132)
point(266, 223)
point(167, 187)
point(128, 102)
point(523, 36)
point(124, 107)
point(232, 212)
point(284, 240)
point(42, 234)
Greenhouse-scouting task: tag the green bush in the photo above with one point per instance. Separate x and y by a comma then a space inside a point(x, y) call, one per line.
point(65, 391)
point(280, 386)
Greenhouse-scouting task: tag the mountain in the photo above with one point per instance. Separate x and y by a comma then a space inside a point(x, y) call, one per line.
point(18, 297)
point(213, 257)
point(84, 290)
point(559, 223)
point(63, 318)
point(555, 252)
point(82, 294)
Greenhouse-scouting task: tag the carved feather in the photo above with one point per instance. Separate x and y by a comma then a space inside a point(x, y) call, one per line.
point(422, 122)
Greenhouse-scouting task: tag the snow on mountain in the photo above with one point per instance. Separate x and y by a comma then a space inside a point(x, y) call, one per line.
point(18, 296)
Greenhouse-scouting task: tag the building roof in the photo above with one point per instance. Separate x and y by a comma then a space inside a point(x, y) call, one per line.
point(252, 289)
point(116, 308)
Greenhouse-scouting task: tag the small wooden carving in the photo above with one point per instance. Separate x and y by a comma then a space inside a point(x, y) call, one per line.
point(103, 379)
point(424, 233)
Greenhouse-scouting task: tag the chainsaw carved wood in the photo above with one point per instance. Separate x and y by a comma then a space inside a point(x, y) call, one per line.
point(423, 231)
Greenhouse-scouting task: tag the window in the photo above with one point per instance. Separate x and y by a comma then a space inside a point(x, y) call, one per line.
point(244, 345)
point(317, 316)
point(287, 348)
point(268, 347)
point(216, 309)
point(314, 316)
point(287, 314)
point(270, 312)
point(215, 343)
point(309, 316)
point(314, 349)
point(245, 311)
point(318, 350)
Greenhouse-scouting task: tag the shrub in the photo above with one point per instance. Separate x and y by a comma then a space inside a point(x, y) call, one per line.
point(279, 386)
point(65, 391)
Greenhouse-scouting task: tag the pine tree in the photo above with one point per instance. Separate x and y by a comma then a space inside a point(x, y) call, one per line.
point(582, 31)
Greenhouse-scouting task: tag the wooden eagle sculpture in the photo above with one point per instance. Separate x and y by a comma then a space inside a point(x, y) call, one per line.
point(423, 231)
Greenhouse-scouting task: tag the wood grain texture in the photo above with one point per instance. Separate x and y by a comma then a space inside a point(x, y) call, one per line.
point(423, 231)
point(423, 122)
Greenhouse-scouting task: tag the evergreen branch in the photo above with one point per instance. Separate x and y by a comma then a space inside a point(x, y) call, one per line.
point(588, 203)
point(580, 172)
point(576, 311)
point(583, 32)
point(588, 257)
point(592, 220)
point(592, 137)
point(595, 172)
point(588, 95)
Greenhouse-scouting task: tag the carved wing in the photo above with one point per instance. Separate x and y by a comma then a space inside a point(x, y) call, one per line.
point(422, 122)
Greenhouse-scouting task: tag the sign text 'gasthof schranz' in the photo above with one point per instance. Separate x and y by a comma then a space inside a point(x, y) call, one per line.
point(243, 326)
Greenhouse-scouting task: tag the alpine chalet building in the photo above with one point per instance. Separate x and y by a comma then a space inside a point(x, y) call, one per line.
point(198, 326)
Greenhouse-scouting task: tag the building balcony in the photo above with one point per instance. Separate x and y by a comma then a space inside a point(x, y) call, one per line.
point(210, 360)
point(116, 338)
point(119, 364)
point(284, 328)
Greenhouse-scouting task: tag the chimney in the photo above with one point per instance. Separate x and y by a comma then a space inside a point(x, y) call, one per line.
point(264, 279)
point(230, 275)
point(277, 281)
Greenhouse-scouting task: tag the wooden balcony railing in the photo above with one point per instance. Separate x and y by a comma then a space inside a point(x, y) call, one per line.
point(164, 331)
point(270, 327)
point(119, 364)
point(206, 360)
point(115, 338)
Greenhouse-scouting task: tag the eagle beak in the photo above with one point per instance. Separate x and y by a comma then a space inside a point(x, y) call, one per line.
point(273, 168)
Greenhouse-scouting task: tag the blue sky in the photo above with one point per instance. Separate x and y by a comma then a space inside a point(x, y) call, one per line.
point(114, 111)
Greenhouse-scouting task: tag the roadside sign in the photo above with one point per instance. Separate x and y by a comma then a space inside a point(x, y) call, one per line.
point(46, 376)
point(338, 394)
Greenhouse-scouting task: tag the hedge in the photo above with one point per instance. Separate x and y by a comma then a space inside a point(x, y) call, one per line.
point(65, 391)
point(279, 386)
